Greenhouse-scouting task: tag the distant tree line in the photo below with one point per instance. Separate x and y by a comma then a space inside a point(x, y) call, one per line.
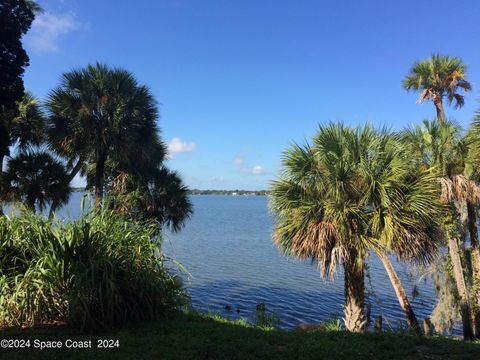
point(228, 192)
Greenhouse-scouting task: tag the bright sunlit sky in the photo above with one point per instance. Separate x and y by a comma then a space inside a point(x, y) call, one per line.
point(240, 80)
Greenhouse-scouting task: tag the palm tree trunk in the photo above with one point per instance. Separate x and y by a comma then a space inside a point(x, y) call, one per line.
point(472, 229)
point(476, 274)
point(354, 311)
point(72, 174)
point(401, 295)
point(53, 209)
point(438, 102)
point(99, 177)
point(465, 308)
point(30, 203)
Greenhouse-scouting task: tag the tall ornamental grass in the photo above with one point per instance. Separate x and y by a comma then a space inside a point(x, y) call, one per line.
point(94, 273)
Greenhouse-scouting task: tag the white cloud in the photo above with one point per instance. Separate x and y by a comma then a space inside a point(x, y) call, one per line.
point(239, 160)
point(255, 170)
point(176, 146)
point(48, 28)
point(259, 170)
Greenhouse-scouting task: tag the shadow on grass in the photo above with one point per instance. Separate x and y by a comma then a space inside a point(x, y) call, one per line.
point(194, 336)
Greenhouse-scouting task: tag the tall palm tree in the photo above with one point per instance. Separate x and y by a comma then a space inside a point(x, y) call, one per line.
point(436, 78)
point(94, 112)
point(349, 193)
point(438, 145)
point(35, 179)
point(104, 124)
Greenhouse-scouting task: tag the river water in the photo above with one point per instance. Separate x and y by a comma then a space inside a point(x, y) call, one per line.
point(227, 248)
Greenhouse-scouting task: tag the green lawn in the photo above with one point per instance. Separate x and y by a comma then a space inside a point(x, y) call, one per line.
point(207, 337)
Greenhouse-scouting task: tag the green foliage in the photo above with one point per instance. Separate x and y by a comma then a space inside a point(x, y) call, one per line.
point(16, 17)
point(265, 318)
point(437, 146)
point(161, 196)
point(103, 117)
point(28, 127)
point(98, 272)
point(354, 190)
point(103, 121)
point(438, 77)
point(451, 221)
point(220, 319)
point(33, 176)
point(35, 179)
point(472, 140)
point(333, 324)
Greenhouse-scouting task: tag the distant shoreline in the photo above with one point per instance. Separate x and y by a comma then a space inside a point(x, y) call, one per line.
point(229, 192)
point(78, 189)
point(211, 192)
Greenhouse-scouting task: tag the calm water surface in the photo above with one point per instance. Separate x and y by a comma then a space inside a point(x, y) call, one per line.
point(227, 247)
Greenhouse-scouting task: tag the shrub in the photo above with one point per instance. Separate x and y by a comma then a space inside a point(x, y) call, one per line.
point(264, 318)
point(334, 324)
point(97, 272)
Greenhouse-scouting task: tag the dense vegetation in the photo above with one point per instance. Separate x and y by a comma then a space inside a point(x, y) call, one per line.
point(95, 273)
point(107, 268)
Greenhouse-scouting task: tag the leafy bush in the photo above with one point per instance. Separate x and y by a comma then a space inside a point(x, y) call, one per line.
point(334, 324)
point(97, 272)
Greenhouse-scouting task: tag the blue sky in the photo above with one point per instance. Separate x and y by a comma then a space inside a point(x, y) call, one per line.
point(238, 81)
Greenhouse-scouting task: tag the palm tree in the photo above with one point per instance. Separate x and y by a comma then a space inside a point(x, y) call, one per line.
point(25, 129)
point(403, 201)
point(161, 196)
point(436, 78)
point(94, 113)
point(35, 179)
point(104, 124)
point(351, 192)
point(28, 127)
point(473, 166)
point(166, 198)
point(438, 145)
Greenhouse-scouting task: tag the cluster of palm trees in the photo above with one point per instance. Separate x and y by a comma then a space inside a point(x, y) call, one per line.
point(356, 192)
point(100, 123)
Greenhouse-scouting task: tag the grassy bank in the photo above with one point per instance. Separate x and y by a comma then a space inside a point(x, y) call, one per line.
point(206, 337)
